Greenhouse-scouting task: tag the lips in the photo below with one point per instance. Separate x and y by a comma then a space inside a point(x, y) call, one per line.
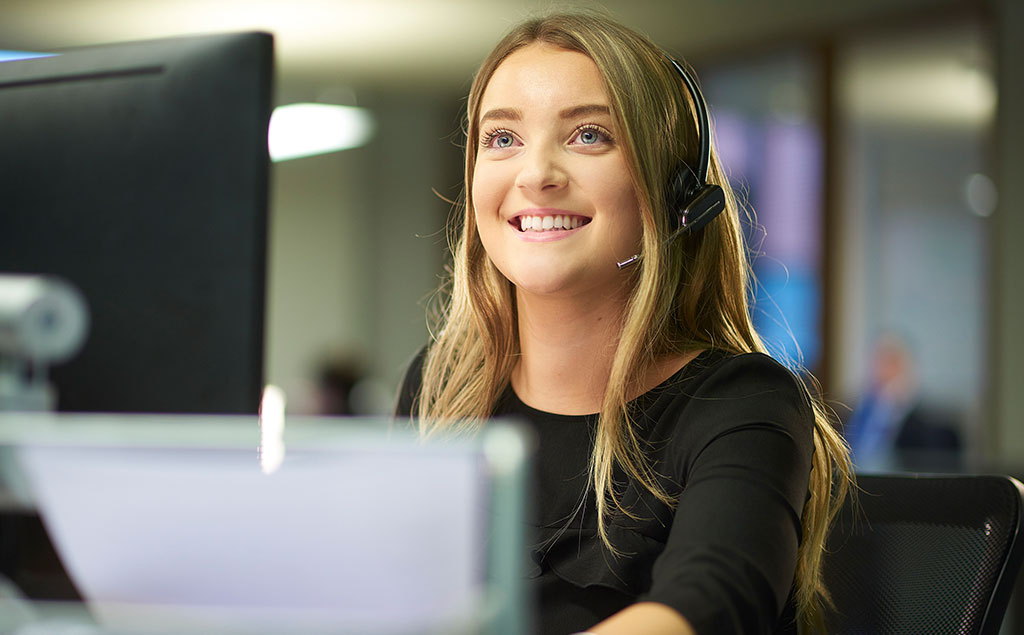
point(548, 222)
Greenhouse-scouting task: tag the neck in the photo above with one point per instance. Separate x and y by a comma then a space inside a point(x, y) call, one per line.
point(568, 345)
point(567, 349)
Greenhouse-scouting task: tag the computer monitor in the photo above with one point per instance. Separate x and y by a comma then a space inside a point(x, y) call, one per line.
point(138, 172)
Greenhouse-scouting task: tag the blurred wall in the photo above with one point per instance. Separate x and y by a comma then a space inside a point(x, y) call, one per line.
point(1006, 375)
point(356, 247)
point(914, 109)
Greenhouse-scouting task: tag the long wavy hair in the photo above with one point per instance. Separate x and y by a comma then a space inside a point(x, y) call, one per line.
point(687, 295)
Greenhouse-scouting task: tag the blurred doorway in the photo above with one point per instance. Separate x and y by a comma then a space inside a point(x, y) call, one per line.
point(914, 113)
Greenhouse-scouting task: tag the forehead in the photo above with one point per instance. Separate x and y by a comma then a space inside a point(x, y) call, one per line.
point(541, 75)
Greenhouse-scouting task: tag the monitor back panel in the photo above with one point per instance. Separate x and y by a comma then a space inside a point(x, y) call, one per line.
point(138, 172)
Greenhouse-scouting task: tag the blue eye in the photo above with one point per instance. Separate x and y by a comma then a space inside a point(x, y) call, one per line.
point(498, 139)
point(590, 135)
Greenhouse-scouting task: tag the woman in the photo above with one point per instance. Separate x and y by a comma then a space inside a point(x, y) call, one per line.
point(684, 479)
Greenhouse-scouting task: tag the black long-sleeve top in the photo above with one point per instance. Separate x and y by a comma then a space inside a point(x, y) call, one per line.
point(731, 435)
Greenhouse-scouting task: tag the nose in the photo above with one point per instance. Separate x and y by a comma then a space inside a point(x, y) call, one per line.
point(541, 171)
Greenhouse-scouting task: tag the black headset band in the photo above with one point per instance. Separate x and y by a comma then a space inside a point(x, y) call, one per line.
point(703, 127)
point(696, 201)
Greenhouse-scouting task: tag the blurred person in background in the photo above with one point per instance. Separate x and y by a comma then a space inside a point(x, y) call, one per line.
point(890, 428)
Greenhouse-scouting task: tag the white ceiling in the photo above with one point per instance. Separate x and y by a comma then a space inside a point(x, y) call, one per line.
point(415, 43)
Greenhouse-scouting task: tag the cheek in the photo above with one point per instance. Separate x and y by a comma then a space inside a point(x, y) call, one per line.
point(614, 191)
point(619, 198)
point(486, 203)
point(487, 190)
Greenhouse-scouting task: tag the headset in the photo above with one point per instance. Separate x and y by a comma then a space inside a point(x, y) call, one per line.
point(697, 201)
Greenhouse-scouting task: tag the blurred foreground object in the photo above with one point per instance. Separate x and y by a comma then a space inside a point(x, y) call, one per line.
point(169, 524)
point(43, 320)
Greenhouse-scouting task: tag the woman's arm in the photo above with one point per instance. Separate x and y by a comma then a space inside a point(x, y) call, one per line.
point(729, 560)
point(644, 618)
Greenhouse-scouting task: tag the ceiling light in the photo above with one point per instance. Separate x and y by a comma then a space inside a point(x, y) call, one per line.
point(10, 56)
point(302, 130)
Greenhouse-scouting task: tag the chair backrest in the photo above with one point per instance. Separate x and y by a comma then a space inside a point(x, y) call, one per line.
point(925, 554)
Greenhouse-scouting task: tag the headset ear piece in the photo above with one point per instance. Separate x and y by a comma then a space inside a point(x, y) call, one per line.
point(696, 204)
point(708, 203)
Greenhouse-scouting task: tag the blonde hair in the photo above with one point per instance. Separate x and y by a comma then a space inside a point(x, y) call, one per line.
point(688, 295)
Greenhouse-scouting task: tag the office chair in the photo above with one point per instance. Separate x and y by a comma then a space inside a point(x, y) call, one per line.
point(925, 554)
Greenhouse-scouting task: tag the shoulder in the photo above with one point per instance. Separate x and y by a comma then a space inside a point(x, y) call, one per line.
point(721, 392)
point(748, 376)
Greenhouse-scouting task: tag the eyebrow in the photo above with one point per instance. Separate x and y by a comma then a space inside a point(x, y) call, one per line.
point(580, 111)
point(514, 114)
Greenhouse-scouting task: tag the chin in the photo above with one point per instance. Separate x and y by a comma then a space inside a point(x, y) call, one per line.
point(548, 288)
point(558, 281)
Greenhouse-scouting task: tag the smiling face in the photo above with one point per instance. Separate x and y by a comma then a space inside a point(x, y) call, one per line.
point(554, 202)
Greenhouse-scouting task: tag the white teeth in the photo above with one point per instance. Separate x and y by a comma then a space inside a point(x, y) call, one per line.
point(546, 223)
